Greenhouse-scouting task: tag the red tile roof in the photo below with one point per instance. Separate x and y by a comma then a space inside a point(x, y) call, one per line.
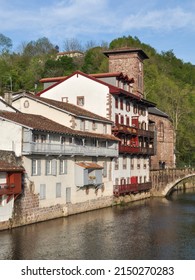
point(40, 123)
point(66, 106)
point(6, 166)
point(112, 89)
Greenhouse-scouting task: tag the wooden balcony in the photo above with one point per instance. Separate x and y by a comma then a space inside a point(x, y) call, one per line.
point(135, 150)
point(131, 188)
point(120, 128)
point(8, 189)
point(72, 149)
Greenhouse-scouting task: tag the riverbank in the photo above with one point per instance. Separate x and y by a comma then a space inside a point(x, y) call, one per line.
point(27, 210)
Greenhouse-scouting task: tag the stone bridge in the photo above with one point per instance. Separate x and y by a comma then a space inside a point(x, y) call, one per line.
point(164, 180)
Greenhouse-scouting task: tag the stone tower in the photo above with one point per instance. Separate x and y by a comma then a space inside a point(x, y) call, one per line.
point(129, 61)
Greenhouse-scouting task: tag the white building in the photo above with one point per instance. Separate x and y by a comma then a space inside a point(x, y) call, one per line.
point(62, 165)
point(129, 112)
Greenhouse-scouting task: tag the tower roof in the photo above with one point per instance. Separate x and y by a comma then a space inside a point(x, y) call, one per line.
point(126, 50)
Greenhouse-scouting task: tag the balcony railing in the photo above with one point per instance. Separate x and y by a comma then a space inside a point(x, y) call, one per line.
point(131, 188)
point(56, 149)
point(135, 150)
point(132, 130)
point(7, 189)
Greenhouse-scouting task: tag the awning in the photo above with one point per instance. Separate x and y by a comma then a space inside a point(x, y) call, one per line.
point(89, 165)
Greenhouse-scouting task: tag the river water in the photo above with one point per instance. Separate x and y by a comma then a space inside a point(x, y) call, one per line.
point(153, 229)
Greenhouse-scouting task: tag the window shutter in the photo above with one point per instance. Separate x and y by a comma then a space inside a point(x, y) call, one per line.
point(42, 193)
point(54, 167)
point(58, 189)
point(38, 167)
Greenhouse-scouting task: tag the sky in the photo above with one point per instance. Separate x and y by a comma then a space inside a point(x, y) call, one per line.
point(164, 25)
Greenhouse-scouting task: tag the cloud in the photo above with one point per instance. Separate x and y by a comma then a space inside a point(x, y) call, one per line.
point(166, 20)
point(91, 18)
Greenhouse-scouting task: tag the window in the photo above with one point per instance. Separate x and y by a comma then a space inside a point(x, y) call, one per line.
point(122, 119)
point(64, 99)
point(35, 138)
point(116, 118)
point(43, 138)
point(127, 120)
point(58, 190)
point(86, 125)
point(138, 163)
point(63, 140)
point(116, 163)
point(116, 103)
point(94, 125)
point(161, 132)
point(42, 192)
point(140, 82)
point(116, 181)
point(80, 100)
point(51, 167)
point(36, 167)
point(124, 162)
point(121, 104)
point(68, 195)
point(127, 106)
point(104, 129)
point(145, 163)
point(132, 163)
point(63, 166)
point(48, 167)
point(135, 109)
point(82, 125)
point(105, 169)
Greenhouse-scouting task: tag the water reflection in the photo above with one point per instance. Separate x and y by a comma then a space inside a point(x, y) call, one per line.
point(149, 229)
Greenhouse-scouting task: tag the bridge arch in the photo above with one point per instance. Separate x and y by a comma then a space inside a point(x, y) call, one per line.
point(169, 187)
point(163, 181)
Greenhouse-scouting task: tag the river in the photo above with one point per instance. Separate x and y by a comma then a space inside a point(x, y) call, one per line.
point(152, 229)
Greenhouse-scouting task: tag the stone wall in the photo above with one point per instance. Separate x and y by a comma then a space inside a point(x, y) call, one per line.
point(27, 210)
point(164, 180)
point(165, 143)
point(129, 64)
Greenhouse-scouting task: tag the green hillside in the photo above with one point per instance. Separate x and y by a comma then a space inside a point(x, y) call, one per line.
point(169, 82)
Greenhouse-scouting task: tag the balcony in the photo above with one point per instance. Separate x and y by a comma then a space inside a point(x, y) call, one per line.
point(7, 189)
point(131, 188)
point(71, 149)
point(120, 128)
point(136, 150)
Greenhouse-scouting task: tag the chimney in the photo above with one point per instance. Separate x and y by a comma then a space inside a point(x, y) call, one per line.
point(129, 61)
point(8, 97)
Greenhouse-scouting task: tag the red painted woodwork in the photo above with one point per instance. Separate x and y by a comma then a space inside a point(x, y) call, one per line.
point(131, 188)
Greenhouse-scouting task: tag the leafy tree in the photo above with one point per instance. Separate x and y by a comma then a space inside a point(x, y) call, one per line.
point(5, 43)
point(94, 60)
point(40, 47)
point(60, 67)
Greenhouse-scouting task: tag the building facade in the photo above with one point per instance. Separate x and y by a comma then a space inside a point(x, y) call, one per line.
point(61, 166)
point(117, 97)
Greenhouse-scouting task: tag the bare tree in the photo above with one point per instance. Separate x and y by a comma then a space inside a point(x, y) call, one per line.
point(72, 44)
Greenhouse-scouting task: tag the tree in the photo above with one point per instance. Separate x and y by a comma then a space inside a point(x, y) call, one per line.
point(72, 44)
point(5, 43)
point(41, 47)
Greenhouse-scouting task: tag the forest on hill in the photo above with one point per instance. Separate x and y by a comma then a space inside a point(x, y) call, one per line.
point(169, 82)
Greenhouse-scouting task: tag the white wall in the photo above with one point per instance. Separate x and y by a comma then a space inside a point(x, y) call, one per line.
point(6, 209)
point(11, 137)
point(41, 109)
point(55, 115)
point(78, 85)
